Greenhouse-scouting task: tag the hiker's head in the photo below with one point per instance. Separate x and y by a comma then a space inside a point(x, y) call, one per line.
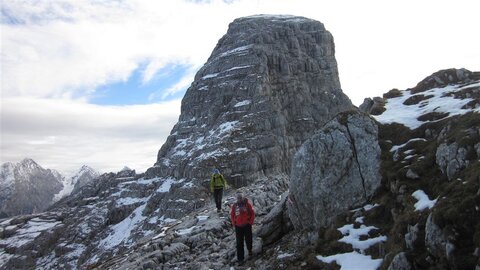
point(240, 196)
point(216, 171)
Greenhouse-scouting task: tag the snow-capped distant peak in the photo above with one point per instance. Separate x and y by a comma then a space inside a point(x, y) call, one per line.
point(77, 180)
point(85, 170)
point(28, 163)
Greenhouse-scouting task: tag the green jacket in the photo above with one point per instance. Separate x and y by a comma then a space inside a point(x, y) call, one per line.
point(217, 181)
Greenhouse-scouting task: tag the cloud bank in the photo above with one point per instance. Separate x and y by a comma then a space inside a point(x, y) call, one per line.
point(64, 135)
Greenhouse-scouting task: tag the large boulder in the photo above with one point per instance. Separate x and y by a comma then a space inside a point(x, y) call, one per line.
point(451, 158)
point(335, 170)
point(276, 223)
point(400, 262)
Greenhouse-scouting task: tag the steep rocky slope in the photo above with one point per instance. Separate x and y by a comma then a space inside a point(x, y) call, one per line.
point(269, 84)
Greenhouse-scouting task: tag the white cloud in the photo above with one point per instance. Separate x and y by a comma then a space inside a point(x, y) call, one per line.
point(67, 46)
point(182, 84)
point(64, 135)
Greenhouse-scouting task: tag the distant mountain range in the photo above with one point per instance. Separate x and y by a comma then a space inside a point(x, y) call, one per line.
point(26, 187)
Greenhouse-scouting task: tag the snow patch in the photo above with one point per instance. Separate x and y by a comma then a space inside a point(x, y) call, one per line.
point(396, 147)
point(130, 201)
point(242, 103)
point(423, 200)
point(284, 255)
point(29, 232)
point(166, 185)
point(397, 112)
point(186, 231)
point(240, 49)
point(202, 218)
point(352, 261)
point(352, 236)
point(360, 220)
point(367, 207)
point(235, 68)
point(227, 127)
point(121, 232)
point(209, 76)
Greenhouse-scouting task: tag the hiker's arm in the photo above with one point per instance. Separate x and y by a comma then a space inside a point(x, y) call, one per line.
point(225, 184)
point(252, 213)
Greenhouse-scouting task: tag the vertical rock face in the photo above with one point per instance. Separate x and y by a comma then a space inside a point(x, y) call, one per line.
point(269, 83)
point(335, 170)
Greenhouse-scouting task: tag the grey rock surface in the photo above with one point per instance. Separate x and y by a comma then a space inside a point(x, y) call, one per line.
point(411, 236)
point(335, 170)
point(412, 174)
point(270, 82)
point(276, 223)
point(400, 262)
point(451, 158)
point(445, 77)
point(373, 106)
point(435, 239)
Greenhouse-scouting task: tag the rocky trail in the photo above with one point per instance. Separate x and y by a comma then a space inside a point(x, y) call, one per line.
point(204, 239)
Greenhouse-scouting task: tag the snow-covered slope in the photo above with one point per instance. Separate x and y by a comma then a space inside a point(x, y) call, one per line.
point(79, 179)
point(415, 109)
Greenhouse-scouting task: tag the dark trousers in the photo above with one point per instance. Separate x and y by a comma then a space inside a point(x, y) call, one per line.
point(217, 195)
point(243, 233)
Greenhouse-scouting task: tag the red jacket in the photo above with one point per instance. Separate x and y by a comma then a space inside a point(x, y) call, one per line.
point(242, 213)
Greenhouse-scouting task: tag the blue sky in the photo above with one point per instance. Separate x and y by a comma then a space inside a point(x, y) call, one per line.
point(136, 91)
point(100, 82)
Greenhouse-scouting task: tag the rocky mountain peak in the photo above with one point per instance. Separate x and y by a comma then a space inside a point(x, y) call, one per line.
point(28, 164)
point(268, 84)
point(27, 188)
point(84, 176)
point(446, 77)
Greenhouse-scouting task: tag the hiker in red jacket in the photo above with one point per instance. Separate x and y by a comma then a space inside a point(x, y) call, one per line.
point(242, 219)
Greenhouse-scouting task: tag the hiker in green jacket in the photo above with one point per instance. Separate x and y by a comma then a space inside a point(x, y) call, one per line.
point(217, 184)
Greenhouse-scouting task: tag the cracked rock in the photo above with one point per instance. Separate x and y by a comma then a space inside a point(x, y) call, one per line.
point(335, 170)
